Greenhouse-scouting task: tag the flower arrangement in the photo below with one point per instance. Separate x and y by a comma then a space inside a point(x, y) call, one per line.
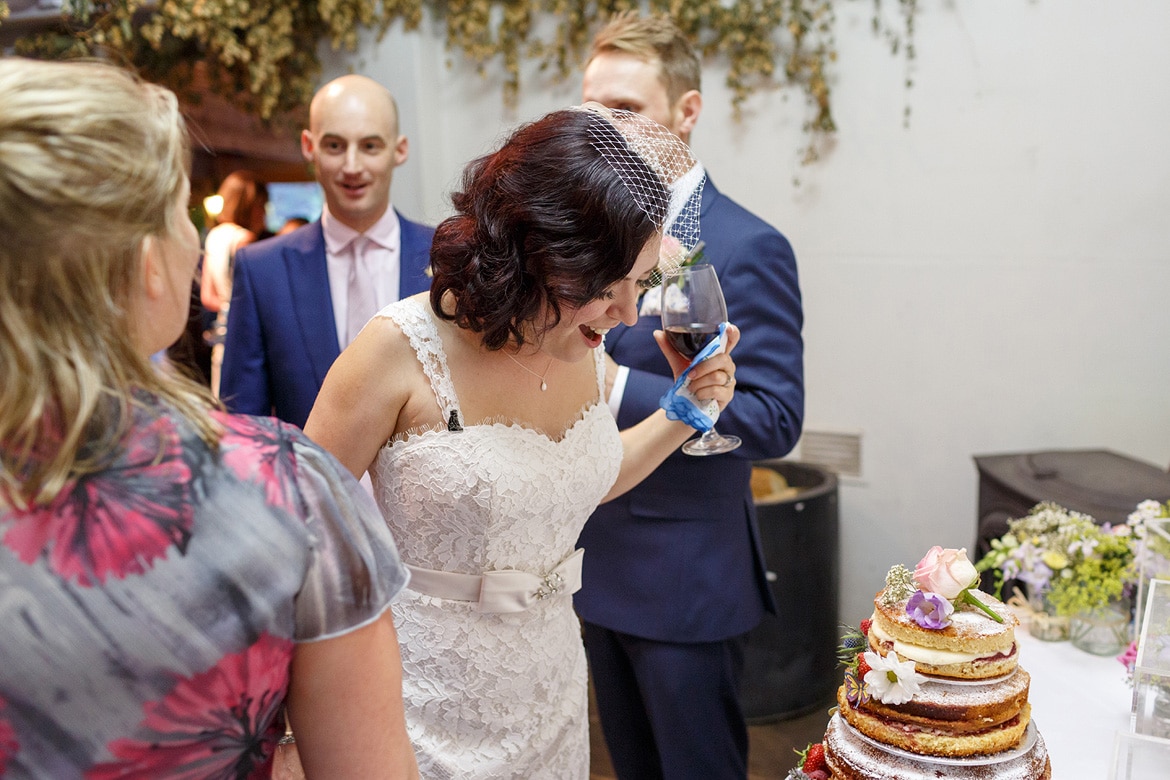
point(1077, 565)
point(1150, 524)
point(945, 577)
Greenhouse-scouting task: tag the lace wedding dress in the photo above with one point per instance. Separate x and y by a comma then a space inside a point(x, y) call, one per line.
point(492, 694)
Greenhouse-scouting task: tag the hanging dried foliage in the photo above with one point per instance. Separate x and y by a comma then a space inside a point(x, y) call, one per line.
point(262, 54)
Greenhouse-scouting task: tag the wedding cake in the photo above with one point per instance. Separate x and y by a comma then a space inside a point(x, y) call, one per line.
point(932, 687)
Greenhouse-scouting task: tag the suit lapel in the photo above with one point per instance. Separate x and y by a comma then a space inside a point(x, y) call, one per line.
point(308, 277)
point(416, 258)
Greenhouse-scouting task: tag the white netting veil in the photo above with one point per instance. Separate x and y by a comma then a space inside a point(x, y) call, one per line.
point(669, 158)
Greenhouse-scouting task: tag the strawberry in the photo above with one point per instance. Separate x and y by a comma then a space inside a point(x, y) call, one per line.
point(812, 761)
point(815, 759)
point(862, 668)
point(865, 624)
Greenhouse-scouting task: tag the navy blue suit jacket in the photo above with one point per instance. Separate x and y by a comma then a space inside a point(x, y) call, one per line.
point(678, 558)
point(281, 336)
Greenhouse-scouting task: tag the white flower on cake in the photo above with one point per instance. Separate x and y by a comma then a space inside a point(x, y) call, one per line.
point(891, 680)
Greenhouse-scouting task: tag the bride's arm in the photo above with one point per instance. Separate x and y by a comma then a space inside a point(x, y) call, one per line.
point(357, 409)
point(647, 444)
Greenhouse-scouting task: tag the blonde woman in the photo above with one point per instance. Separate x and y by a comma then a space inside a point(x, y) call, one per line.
point(173, 577)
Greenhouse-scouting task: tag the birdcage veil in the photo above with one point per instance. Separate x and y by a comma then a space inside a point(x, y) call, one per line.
point(669, 158)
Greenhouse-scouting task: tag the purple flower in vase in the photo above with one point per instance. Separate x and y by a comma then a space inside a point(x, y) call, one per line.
point(929, 610)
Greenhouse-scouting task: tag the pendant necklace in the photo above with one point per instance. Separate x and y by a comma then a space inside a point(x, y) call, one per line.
point(543, 384)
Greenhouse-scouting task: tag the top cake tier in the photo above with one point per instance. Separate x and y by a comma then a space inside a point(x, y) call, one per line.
point(973, 646)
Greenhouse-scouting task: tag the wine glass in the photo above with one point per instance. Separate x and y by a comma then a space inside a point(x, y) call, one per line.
point(692, 311)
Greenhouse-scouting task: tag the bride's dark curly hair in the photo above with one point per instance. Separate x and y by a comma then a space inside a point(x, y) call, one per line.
point(542, 223)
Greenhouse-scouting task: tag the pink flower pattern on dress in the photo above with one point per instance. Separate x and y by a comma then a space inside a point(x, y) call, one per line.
point(8, 743)
point(118, 521)
point(254, 449)
point(219, 724)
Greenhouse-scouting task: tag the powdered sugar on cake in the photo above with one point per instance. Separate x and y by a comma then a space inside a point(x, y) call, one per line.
point(962, 711)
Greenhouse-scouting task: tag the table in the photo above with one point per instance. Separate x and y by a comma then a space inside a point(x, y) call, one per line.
point(1079, 702)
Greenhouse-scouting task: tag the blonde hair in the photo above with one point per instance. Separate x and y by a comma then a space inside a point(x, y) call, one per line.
point(654, 39)
point(91, 162)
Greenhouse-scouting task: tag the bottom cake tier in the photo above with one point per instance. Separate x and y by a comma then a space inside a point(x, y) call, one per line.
point(851, 755)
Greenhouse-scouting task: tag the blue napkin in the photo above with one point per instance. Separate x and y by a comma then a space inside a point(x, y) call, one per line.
point(681, 404)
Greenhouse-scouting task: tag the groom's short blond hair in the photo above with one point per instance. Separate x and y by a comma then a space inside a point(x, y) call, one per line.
point(652, 39)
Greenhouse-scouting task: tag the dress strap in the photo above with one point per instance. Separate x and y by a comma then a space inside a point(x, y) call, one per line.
point(599, 362)
point(417, 322)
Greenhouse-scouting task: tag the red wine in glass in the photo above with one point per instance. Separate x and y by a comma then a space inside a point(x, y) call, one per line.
point(692, 311)
point(689, 340)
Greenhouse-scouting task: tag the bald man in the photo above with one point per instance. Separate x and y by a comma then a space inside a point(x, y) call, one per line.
point(300, 298)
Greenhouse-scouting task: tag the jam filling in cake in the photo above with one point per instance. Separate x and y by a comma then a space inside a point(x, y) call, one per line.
point(933, 686)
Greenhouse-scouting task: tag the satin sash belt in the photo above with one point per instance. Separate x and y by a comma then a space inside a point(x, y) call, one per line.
point(507, 590)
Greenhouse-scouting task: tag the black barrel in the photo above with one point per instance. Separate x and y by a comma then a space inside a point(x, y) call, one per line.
point(790, 663)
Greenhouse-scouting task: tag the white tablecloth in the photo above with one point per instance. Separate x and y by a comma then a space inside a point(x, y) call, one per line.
point(1079, 702)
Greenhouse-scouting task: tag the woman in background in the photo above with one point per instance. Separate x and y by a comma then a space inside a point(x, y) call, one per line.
point(173, 577)
point(239, 223)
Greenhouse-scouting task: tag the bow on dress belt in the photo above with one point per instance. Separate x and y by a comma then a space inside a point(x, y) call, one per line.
point(506, 590)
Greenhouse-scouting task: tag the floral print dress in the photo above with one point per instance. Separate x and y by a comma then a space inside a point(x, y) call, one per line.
point(148, 615)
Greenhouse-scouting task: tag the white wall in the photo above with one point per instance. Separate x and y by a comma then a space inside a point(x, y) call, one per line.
point(994, 278)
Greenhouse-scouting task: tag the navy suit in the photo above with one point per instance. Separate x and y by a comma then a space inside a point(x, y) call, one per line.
point(674, 570)
point(281, 336)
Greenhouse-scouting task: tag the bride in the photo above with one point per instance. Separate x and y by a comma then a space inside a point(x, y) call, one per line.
point(480, 414)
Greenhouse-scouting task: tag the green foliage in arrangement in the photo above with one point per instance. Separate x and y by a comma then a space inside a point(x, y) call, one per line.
point(1078, 565)
point(1094, 578)
point(262, 54)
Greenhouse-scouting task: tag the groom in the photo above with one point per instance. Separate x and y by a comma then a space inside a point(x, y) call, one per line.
point(673, 570)
point(299, 299)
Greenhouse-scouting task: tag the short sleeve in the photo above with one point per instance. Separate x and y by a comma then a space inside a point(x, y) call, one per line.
point(354, 570)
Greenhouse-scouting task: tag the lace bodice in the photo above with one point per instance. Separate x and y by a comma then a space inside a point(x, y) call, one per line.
point(497, 495)
point(491, 695)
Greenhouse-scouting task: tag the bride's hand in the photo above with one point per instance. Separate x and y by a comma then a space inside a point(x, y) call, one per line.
point(712, 378)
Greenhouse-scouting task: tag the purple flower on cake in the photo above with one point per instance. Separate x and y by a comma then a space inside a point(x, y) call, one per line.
point(891, 680)
point(929, 610)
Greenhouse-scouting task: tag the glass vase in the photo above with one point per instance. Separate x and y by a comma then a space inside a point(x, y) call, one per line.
point(1044, 623)
point(1103, 630)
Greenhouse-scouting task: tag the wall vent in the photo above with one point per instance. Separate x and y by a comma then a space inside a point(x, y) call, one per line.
point(838, 452)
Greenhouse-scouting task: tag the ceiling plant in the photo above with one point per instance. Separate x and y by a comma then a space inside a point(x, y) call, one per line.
point(262, 54)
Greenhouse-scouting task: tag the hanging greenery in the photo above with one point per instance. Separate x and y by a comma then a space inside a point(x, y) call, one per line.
point(262, 54)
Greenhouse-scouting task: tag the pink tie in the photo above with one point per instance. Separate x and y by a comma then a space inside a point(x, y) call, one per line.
point(362, 303)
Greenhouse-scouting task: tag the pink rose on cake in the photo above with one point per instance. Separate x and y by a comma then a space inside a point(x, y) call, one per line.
point(944, 578)
point(945, 572)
